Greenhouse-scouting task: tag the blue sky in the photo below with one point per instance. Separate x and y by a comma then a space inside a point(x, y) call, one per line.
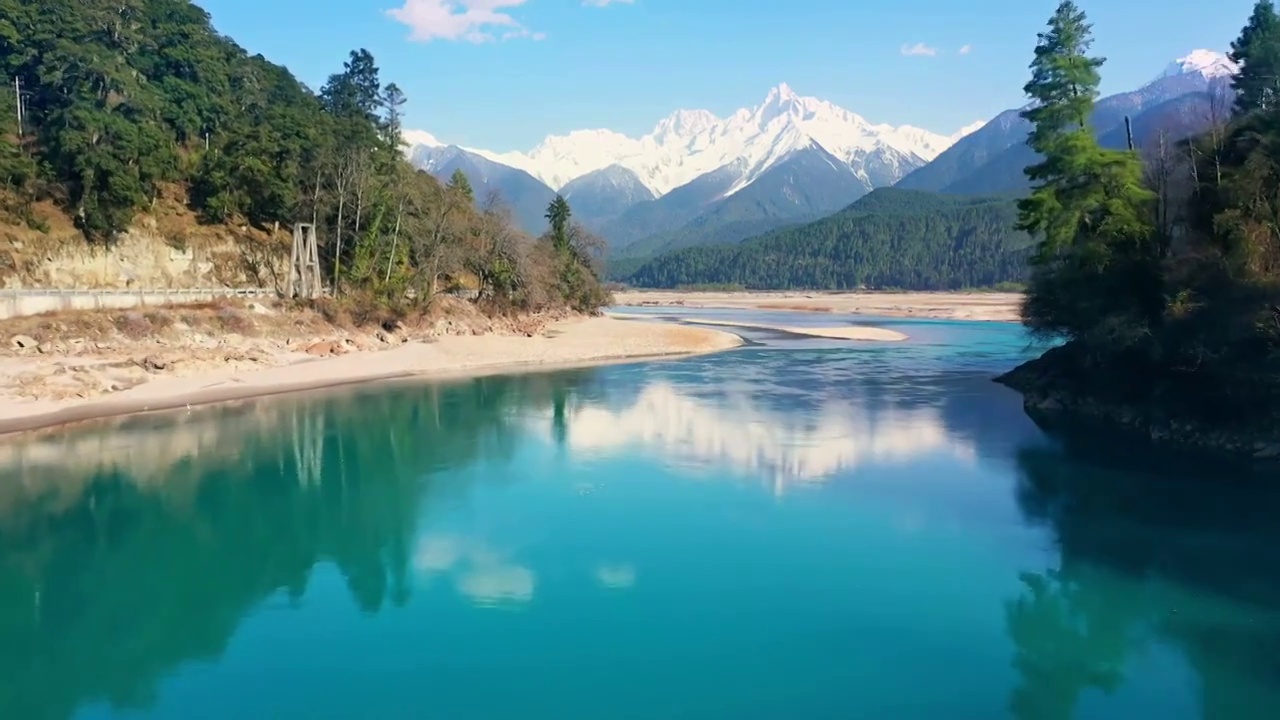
point(502, 74)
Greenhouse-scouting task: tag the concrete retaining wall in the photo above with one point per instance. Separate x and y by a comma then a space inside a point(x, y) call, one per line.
point(20, 303)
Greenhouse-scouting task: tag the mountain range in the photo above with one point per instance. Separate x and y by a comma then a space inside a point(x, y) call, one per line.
point(701, 179)
point(696, 175)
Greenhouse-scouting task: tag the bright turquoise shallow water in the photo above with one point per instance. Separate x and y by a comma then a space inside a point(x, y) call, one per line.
point(798, 529)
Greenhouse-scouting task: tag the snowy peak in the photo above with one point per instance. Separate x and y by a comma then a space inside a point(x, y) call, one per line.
point(968, 130)
point(691, 143)
point(781, 92)
point(1208, 63)
point(683, 124)
point(413, 139)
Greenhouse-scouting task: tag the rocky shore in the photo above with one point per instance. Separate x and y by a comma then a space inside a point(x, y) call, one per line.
point(1059, 395)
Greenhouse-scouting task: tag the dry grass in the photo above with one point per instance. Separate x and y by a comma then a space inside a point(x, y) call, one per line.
point(173, 323)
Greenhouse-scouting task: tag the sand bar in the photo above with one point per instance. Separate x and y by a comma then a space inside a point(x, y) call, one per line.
point(836, 332)
point(990, 306)
point(568, 343)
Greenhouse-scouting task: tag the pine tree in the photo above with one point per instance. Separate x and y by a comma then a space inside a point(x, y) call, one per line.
point(1063, 86)
point(394, 100)
point(1088, 207)
point(459, 183)
point(1257, 52)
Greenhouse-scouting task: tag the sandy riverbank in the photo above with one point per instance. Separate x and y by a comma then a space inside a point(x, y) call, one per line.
point(565, 343)
point(847, 332)
point(1002, 307)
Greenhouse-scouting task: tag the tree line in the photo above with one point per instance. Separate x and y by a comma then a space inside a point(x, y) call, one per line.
point(126, 103)
point(1162, 273)
point(888, 239)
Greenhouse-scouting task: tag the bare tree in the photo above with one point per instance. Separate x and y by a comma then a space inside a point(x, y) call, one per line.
point(500, 256)
point(437, 236)
point(342, 175)
point(1219, 114)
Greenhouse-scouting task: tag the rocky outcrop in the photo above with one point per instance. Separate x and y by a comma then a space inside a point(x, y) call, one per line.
point(1059, 394)
point(167, 249)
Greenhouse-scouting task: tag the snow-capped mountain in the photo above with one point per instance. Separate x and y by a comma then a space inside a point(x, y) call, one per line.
point(690, 143)
point(991, 159)
point(1207, 63)
point(819, 156)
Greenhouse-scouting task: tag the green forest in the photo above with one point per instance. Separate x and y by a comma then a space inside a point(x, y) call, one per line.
point(127, 103)
point(889, 239)
point(1163, 276)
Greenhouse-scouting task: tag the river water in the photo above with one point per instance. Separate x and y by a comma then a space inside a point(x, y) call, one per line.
point(800, 528)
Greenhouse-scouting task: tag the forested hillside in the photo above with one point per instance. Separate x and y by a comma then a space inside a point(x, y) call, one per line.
point(1163, 278)
point(130, 103)
point(890, 238)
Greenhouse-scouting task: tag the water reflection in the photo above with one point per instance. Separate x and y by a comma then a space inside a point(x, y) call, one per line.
point(1173, 561)
point(735, 432)
point(479, 572)
point(126, 549)
point(131, 549)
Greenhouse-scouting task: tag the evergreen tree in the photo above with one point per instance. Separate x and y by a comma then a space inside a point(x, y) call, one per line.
point(1063, 87)
point(1257, 52)
point(459, 183)
point(1088, 207)
point(394, 100)
point(558, 215)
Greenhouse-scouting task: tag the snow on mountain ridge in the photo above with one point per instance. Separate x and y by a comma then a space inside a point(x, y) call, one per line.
point(1208, 63)
point(691, 143)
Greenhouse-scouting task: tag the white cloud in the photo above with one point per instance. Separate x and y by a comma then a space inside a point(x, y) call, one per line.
point(919, 49)
point(965, 49)
point(606, 3)
point(470, 20)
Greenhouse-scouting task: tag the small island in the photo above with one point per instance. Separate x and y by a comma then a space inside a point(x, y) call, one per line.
point(1159, 269)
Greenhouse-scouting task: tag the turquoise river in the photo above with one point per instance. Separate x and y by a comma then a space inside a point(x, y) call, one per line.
point(800, 528)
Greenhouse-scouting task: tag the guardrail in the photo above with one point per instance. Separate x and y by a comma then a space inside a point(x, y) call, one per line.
point(21, 302)
point(176, 292)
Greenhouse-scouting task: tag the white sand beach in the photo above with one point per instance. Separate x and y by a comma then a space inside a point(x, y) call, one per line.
point(125, 390)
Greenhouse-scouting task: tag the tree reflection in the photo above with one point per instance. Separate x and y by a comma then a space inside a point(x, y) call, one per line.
point(1067, 641)
point(119, 564)
point(1178, 557)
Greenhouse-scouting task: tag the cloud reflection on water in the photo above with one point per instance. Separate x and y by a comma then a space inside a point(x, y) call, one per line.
point(484, 576)
point(741, 433)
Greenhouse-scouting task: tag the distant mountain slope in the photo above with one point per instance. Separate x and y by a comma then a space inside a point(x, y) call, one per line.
point(806, 185)
point(671, 211)
point(527, 196)
point(971, 152)
point(604, 194)
point(1178, 118)
point(890, 238)
point(991, 159)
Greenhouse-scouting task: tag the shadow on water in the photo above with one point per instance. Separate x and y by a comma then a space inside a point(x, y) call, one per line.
point(131, 547)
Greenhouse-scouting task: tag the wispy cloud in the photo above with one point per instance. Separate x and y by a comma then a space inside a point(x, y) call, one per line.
point(606, 3)
point(467, 20)
point(919, 49)
point(965, 49)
